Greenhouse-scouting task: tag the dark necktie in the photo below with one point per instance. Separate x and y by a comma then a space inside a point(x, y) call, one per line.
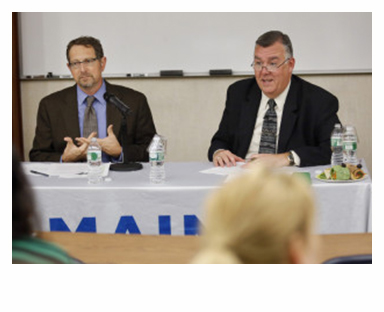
point(269, 130)
point(90, 118)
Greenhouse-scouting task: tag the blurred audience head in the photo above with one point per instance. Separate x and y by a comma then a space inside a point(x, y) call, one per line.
point(260, 217)
point(22, 201)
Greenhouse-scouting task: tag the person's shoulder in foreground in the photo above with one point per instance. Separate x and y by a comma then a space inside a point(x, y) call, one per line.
point(26, 248)
point(34, 250)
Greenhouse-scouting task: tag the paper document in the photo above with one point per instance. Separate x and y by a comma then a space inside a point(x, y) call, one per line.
point(225, 170)
point(72, 170)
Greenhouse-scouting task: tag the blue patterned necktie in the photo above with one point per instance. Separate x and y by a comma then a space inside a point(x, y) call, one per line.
point(90, 118)
point(269, 130)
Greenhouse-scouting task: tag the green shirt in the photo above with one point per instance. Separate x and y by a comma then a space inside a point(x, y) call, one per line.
point(36, 250)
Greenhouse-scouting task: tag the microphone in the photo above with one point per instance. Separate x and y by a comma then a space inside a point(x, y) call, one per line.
point(111, 98)
point(125, 110)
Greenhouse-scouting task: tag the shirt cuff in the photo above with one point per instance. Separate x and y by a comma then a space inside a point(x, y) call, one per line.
point(296, 159)
point(120, 159)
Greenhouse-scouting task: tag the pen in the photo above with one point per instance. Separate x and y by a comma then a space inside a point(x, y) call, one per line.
point(41, 173)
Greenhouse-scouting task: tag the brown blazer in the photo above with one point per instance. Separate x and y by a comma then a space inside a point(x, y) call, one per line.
point(57, 118)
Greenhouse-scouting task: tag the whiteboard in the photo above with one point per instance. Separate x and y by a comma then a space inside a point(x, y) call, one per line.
point(196, 42)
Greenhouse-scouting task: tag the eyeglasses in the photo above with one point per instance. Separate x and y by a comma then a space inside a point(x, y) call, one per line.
point(86, 62)
point(258, 66)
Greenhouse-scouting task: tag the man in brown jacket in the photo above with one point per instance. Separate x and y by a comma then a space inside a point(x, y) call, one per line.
point(60, 135)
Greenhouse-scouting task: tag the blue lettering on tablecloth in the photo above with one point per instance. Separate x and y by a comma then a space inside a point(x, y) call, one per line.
point(127, 224)
point(87, 225)
point(165, 225)
point(191, 225)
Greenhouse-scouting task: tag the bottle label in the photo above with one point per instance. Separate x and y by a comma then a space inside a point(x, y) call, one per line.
point(156, 156)
point(336, 142)
point(94, 155)
point(350, 146)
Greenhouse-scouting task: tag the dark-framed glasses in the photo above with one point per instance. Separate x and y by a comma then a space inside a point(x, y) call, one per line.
point(86, 62)
point(271, 67)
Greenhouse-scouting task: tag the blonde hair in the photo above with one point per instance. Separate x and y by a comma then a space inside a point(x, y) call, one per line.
point(252, 218)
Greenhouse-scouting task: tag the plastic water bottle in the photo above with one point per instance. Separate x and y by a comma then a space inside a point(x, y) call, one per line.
point(156, 159)
point(94, 162)
point(337, 145)
point(350, 145)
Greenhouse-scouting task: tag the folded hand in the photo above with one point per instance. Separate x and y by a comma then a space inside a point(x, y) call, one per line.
point(226, 158)
point(73, 152)
point(270, 160)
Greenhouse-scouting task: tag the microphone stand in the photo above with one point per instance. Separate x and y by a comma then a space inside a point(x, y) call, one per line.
point(126, 165)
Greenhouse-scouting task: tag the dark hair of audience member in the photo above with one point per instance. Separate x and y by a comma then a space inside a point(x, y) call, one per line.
point(22, 201)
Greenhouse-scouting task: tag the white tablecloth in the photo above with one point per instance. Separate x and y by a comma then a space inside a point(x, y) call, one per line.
point(130, 204)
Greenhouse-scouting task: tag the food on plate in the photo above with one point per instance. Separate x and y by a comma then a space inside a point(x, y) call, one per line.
point(356, 172)
point(327, 173)
point(342, 172)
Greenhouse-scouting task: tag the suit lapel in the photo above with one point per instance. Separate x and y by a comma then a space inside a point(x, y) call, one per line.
point(248, 118)
point(113, 114)
point(289, 117)
point(70, 113)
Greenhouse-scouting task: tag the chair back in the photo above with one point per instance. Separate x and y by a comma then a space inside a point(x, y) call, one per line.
point(354, 259)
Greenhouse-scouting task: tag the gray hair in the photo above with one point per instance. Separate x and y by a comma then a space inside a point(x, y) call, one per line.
point(270, 37)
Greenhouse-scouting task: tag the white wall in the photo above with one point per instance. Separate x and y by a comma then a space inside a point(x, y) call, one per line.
point(196, 42)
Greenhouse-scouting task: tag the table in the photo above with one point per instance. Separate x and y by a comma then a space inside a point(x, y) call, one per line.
point(115, 248)
point(130, 204)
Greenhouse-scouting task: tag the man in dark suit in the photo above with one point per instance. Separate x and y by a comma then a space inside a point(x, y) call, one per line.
point(62, 132)
point(278, 118)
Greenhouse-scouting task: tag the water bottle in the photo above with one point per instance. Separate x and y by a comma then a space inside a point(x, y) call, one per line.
point(350, 145)
point(156, 159)
point(94, 162)
point(337, 145)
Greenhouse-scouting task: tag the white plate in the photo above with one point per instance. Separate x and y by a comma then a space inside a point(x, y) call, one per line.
point(342, 181)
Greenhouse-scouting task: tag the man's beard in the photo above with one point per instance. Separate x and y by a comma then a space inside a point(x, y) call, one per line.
point(88, 83)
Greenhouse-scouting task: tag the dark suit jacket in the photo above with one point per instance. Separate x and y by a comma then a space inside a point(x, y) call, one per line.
point(58, 117)
point(309, 116)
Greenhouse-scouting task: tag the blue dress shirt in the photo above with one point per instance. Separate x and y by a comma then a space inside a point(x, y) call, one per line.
point(100, 106)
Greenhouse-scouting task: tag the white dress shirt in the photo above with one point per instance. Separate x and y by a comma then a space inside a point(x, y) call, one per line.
point(279, 108)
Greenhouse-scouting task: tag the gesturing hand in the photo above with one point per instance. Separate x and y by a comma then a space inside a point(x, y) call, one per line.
point(110, 144)
point(72, 152)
